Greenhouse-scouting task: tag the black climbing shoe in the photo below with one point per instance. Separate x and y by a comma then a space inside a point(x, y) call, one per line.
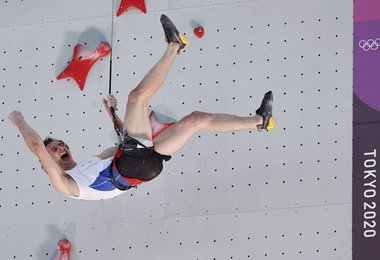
point(265, 111)
point(171, 32)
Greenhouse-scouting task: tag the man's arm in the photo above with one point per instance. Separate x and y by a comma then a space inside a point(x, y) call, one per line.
point(111, 101)
point(110, 152)
point(61, 181)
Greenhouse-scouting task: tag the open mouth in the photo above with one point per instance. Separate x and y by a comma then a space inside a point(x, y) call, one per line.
point(65, 156)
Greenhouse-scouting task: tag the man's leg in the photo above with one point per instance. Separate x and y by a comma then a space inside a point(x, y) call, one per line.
point(173, 138)
point(136, 120)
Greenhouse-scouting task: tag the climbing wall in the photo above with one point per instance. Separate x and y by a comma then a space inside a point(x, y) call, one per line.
point(284, 194)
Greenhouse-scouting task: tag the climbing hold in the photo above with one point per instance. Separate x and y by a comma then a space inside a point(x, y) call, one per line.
point(199, 31)
point(64, 248)
point(125, 4)
point(157, 127)
point(82, 61)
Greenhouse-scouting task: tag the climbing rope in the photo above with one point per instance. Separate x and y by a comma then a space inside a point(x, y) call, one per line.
point(115, 124)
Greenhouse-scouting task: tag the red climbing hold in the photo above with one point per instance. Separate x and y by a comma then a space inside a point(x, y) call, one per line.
point(157, 127)
point(125, 4)
point(199, 31)
point(64, 248)
point(82, 61)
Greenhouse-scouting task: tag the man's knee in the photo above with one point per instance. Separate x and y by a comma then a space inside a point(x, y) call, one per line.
point(136, 96)
point(198, 118)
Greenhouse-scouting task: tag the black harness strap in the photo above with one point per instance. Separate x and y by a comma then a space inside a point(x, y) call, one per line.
point(115, 124)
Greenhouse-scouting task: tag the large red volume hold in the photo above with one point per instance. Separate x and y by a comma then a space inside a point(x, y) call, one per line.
point(157, 127)
point(64, 249)
point(125, 4)
point(82, 61)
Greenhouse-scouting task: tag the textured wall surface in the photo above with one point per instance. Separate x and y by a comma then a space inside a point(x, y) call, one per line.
point(284, 194)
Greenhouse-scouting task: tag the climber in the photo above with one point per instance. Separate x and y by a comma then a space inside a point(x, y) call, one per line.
point(138, 158)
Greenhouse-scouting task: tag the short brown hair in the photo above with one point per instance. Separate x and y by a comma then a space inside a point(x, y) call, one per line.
point(48, 140)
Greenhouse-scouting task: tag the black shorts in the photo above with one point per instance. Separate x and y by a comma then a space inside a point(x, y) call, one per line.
point(137, 161)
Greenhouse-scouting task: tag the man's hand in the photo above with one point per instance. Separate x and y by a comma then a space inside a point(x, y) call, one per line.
point(15, 116)
point(111, 101)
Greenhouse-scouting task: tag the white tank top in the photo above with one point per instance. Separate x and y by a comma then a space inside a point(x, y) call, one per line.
point(93, 179)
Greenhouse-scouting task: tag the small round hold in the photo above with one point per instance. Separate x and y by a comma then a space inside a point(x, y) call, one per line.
point(199, 31)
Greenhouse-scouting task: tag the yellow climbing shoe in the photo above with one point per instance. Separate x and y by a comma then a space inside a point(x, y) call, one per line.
point(265, 111)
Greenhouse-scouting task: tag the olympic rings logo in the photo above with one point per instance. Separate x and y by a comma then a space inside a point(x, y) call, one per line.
point(370, 44)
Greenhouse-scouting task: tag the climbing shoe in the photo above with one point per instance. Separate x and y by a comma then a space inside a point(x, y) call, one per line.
point(265, 111)
point(172, 34)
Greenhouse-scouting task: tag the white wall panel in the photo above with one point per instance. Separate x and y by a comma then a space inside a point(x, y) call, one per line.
point(14, 13)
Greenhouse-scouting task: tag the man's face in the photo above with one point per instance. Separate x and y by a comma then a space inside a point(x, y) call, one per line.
point(60, 154)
